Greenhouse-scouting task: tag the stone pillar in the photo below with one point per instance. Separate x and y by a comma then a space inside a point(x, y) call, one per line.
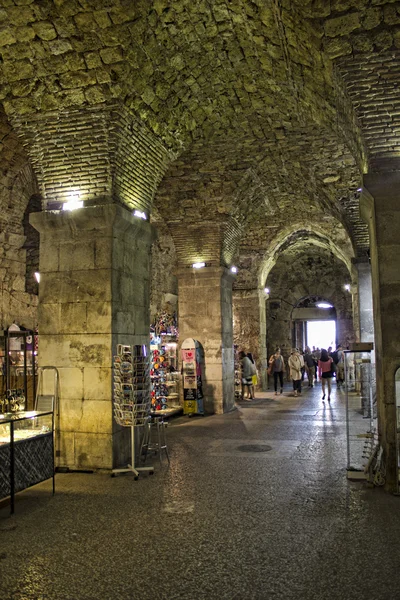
point(205, 314)
point(249, 328)
point(380, 207)
point(93, 294)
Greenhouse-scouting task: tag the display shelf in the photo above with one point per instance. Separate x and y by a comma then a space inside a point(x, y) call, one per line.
point(361, 414)
point(164, 376)
point(167, 412)
point(18, 369)
point(26, 451)
point(238, 374)
point(132, 396)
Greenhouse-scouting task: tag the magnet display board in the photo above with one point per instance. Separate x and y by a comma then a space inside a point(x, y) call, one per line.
point(191, 353)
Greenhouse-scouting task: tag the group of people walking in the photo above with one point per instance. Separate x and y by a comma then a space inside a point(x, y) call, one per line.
point(316, 364)
point(322, 364)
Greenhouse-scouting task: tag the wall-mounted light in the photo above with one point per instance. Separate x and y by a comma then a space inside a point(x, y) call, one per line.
point(359, 189)
point(37, 276)
point(73, 204)
point(234, 270)
point(266, 290)
point(198, 265)
point(347, 287)
point(140, 214)
point(324, 305)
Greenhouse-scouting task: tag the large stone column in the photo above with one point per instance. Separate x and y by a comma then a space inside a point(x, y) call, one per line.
point(249, 327)
point(93, 294)
point(205, 314)
point(380, 207)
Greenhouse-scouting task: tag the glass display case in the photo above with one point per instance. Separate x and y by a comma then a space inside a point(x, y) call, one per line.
point(26, 451)
point(397, 392)
point(361, 413)
point(18, 369)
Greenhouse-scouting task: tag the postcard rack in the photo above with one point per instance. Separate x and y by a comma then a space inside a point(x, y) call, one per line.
point(132, 395)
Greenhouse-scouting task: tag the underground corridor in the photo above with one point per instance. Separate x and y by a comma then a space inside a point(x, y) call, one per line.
point(197, 199)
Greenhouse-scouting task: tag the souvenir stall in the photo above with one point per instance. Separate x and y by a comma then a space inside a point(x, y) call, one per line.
point(164, 375)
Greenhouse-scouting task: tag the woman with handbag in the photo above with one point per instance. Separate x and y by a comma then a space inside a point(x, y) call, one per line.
point(325, 372)
point(276, 366)
point(295, 365)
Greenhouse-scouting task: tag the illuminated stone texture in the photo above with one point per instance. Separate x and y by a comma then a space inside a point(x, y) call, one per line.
point(94, 290)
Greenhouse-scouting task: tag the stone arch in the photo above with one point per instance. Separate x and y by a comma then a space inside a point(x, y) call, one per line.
point(324, 275)
point(301, 234)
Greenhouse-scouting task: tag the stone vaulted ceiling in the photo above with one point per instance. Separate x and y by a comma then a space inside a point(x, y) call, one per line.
point(262, 115)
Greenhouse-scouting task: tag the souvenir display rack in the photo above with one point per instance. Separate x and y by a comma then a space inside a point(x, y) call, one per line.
point(164, 376)
point(19, 370)
point(26, 451)
point(361, 417)
point(132, 395)
point(192, 367)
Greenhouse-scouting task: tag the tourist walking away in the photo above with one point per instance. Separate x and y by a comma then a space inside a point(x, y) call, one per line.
point(325, 372)
point(317, 356)
point(338, 358)
point(276, 368)
point(310, 366)
point(247, 375)
point(294, 363)
point(254, 377)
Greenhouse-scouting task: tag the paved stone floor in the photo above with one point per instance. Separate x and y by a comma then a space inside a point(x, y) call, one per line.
point(225, 521)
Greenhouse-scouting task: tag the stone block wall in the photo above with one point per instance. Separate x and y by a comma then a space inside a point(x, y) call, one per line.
point(205, 314)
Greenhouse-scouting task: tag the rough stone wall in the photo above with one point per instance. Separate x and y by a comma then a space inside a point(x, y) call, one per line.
point(164, 284)
point(18, 301)
point(311, 272)
point(31, 245)
point(249, 327)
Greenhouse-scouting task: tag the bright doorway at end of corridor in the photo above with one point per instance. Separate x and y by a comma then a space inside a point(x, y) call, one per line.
point(321, 334)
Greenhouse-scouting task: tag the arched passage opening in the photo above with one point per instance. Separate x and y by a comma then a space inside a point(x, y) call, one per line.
point(307, 284)
point(314, 322)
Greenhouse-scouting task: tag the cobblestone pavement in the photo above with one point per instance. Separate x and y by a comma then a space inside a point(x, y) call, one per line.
point(255, 505)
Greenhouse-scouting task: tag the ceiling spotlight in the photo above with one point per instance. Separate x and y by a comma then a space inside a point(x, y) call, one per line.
point(198, 265)
point(324, 305)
